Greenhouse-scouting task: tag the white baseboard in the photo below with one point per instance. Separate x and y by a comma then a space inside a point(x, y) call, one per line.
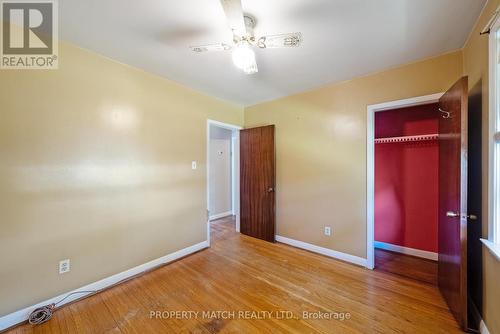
point(322, 250)
point(19, 316)
point(406, 250)
point(482, 328)
point(221, 215)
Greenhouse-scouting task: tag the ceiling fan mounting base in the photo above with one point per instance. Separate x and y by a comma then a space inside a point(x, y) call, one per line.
point(249, 21)
point(249, 36)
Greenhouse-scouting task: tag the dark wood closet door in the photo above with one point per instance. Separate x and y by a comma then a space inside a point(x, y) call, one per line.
point(474, 207)
point(452, 226)
point(257, 196)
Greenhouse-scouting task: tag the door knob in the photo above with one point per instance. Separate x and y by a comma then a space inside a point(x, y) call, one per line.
point(270, 190)
point(455, 214)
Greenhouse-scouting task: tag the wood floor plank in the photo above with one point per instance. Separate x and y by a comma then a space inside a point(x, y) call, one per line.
point(405, 265)
point(242, 274)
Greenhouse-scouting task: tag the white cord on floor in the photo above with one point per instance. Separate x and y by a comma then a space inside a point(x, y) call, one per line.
point(44, 313)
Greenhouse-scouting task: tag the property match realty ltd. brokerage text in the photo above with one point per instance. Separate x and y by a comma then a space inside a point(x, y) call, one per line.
point(249, 315)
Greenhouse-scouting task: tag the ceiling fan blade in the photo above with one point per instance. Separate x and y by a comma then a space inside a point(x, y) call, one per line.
point(280, 41)
point(234, 16)
point(210, 47)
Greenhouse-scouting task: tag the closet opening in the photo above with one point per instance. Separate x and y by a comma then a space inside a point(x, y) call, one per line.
point(406, 193)
point(404, 126)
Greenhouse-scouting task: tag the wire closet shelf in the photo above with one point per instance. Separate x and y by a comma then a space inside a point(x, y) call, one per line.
point(407, 139)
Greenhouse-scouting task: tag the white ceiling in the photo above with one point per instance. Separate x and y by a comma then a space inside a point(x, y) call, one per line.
point(343, 39)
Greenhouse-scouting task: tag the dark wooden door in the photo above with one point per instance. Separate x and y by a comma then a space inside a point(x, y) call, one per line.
point(257, 194)
point(452, 226)
point(474, 207)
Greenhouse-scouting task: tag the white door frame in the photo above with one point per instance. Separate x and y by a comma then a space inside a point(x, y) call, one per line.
point(235, 170)
point(370, 164)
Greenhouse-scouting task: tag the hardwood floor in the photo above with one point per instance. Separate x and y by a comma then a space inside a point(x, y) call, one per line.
point(240, 273)
point(409, 266)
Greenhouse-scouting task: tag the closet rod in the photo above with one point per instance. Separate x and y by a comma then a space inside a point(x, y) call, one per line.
point(405, 139)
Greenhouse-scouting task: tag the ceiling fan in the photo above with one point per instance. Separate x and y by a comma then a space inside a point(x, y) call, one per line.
point(244, 40)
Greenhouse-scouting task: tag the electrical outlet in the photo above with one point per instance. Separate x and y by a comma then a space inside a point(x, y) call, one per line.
point(193, 165)
point(64, 266)
point(328, 230)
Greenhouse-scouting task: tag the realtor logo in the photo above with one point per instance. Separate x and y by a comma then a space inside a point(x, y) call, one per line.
point(29, 34)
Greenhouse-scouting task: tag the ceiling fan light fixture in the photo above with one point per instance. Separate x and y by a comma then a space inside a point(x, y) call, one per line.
point(244, 57)
point(251, 69)
point(242, 28)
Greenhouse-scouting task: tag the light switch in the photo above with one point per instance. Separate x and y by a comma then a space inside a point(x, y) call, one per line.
point(193, 165)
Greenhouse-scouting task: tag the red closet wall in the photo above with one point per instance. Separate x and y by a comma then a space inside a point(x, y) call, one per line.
point(406, 179)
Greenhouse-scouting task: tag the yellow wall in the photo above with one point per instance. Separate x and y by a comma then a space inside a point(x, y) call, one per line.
point(321, 149)
point(476, 67)
point(96, 167)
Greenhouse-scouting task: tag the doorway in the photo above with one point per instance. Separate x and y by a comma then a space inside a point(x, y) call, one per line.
point(223, 175)
point(372, 110)
point(407, 191)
